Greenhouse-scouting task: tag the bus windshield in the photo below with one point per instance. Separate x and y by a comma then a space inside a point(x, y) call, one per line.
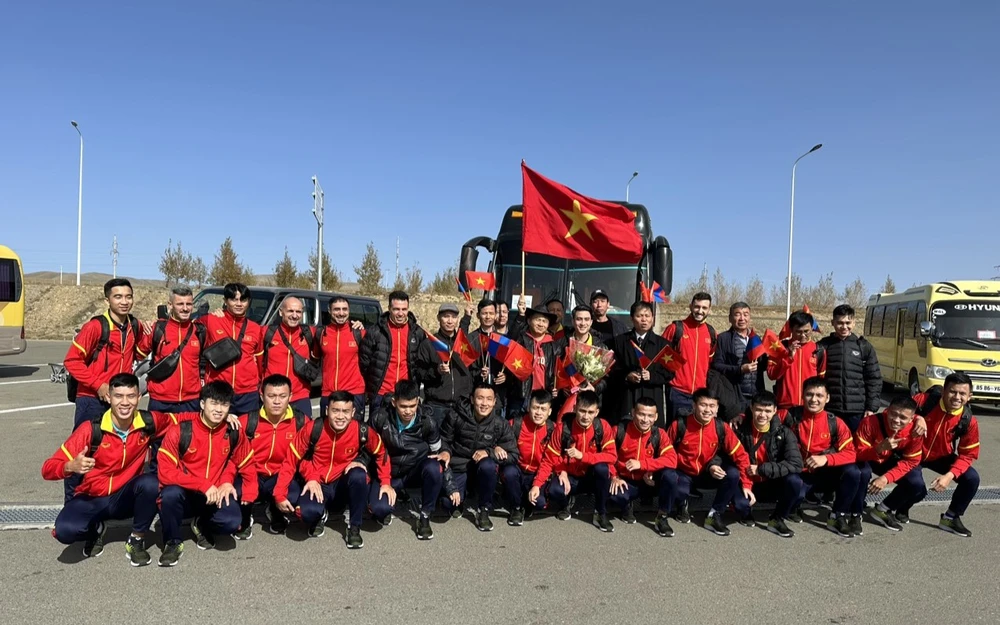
point(211, 300)
point(967, 325)
point(618, 282)
point(542, 284)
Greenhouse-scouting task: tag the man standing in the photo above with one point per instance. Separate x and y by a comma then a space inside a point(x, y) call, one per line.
point(485, 368)
point(338, 346)
point(106, 345)
point(695, 339)
point(230, 331)
point(503, 316)
point(852, 370)
point(393, 351)
point(557, 308)
point(629, 380)
point(175, 338)
point(804, 361)
point(288, 349)
point(731, 358)
point(604, 326)
point(531, 329)
point(451, 379)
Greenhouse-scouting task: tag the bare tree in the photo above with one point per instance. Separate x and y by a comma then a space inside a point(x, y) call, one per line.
point(889, 286)
point(755, 295)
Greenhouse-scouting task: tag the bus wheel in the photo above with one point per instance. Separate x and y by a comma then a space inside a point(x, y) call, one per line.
point(914, 384)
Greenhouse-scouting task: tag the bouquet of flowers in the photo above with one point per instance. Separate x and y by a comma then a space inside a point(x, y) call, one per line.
point(591, 363)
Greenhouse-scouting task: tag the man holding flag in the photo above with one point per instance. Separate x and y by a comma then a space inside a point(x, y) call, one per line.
point(740, 356)
point(529, 332)
point(638, 370)
point(450, 378)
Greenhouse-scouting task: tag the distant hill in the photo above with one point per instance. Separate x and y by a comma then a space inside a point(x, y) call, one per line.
point(91, 278)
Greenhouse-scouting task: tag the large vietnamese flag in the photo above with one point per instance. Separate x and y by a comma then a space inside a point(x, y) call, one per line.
point(560, 222)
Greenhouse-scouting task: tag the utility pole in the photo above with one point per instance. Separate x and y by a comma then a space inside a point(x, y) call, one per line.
point(60, 275)
point(397, 260)
point(318, 213)
point(114, 257)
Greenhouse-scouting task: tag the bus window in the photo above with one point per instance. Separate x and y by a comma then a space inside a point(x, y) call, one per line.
point(889, 320)
point(868, 320)
point(10, 280)
point(876, 323)
point(911, 315)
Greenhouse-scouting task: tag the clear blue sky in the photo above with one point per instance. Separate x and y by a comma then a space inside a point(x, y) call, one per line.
point(208, 119)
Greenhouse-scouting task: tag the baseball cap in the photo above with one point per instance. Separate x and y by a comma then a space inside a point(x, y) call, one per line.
point(599, 293)
point(447, 308)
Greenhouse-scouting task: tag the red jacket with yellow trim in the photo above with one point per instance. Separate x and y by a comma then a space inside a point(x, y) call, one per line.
point(700, 446)
point(639, 446)
point(940, 434)
point(531, 444)
point(204, 465)
point(594, 452)
point(185, 382)
point(271, 441)
point(338, 351)
point(869, 435)
point(118, 356)
point(697, 349)
point(115, 461)
point(280, 359)
point(790, 373)
point(815, 439)
point(333, 453)
point(244, 374)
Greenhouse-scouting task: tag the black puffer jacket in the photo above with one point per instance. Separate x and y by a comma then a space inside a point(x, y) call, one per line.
point(518, 391)
point(376, 350)
point(446, 388)
point(407, 449)
point(852, 374)
point(464, 435)
point(783, 455)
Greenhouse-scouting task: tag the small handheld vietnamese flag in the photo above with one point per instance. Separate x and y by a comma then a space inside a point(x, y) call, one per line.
point(513, 355)
point(645, 293)
point(671, 359)
point(466, 352)
point(755, 347)
point(442, 349)
point(659, 293)
point(481, 280)
point(805, 309)
point(463, 290)
point(773, 346)
point(644, 360)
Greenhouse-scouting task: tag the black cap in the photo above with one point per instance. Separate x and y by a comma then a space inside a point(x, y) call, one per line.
point(599, 293)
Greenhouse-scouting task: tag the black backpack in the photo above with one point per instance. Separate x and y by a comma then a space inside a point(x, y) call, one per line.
point(317, 431)
point(71, 384)
point(729, 395)
point(932, 399)
point(794, 418)
point(654, 438)
point(97, 434)
point(567, 433)
point(253, 420)
point(720, 432)
point(675, 342)
point(187, 431)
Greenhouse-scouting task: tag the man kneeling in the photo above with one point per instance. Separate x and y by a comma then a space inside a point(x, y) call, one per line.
point(531, 433)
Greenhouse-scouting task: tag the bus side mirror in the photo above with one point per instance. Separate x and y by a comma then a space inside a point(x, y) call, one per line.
point(926, 329)
point(161, 311)
point(662, 265)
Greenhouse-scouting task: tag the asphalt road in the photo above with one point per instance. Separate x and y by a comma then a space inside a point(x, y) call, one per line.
point(545, 572)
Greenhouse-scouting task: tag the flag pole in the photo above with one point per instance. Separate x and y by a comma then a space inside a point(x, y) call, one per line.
point(522, 273)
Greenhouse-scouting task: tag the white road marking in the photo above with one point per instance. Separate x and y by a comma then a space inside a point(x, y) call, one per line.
point(41, 364)
point(23, 382)
point(27, 408)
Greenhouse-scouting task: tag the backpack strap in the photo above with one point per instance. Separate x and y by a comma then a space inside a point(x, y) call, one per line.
point(713, 335)
point(159, 330)
point(357, 336)
point(233, 434)
point(681, 430)
point(720, 434)
point(598, 434)
point(517, 424)
point(794, 417)
point(148, 423)
point(317, 431)
point(961, 428)
point(567, 433)
point(184, 442)
point(831, 422)
point(620, 434)
point(102, 341)
point(253, 420)
point(654, 440)
point(675, 342)
point(96, 436)
point(300, 419)
point(268, 337)
point(931, 400)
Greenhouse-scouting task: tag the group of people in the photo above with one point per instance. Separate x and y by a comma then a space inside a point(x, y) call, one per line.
point(229, 424)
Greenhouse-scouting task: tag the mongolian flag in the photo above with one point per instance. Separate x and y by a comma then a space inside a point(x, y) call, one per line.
point(514, 356)
point(567, 376)
point(644, 360)
point(670, 358)
point(773, 346)
point(755, 347)
point(465, 350)
point(463, 290)
point(659, 294)
point(786, 331)
point(481, 280)
point(442, 349)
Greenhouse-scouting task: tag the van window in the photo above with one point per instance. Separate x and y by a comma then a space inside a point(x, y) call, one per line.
point(308, 310)
point(889, 321)
point(875, 328)
point(370, 314)
point(10, 280)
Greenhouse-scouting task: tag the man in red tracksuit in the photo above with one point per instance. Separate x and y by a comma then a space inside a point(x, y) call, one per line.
point(828, 457)
point(887, 447)
point(709, 455)
point(336, 347)
point(179, 391)
point(804, 361)
point(531, 435)
point(113, 485)
point(332, 456)
point(578, 458)
point(285, 343)
point(647, 464)
point(950, 447)
point(695, 339)
point(198, 466)
point(104, 346)
point(232, 323)
point(270, 431)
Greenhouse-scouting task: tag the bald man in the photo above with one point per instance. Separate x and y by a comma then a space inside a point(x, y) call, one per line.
point(288, 348)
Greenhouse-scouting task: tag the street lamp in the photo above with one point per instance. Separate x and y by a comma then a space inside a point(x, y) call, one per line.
point(634, 174)
point(791, 226)
point(318, 214)
point(79, 207)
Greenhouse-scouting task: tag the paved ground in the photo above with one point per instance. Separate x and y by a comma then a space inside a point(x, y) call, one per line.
point(545, 572)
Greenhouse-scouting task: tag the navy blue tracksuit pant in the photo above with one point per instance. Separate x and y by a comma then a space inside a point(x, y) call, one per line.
point(177, 503)
point(135, 500)
point(844, 480)
point(725, 489)
point(427, 474)
point(785, 490)
point(911, 489)
point(516, 484)
point(596, 481)
point(350, 490)
point(486, 474)
point(664, 481)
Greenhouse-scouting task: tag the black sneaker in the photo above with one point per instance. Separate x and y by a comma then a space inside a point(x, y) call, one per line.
point(840, 525)
point(857, 527)
point(748, 521)
point(202, 539)
point(887, 519)
point(777, 526)
point(795, 516)
point(602, 523)
point(814, 498)
point(317, 531)
point(277, 522)
point(354, 540)
point(171, 554)
point(662, 525)
point(516, 517)
point(954, 525)
point(715, 525)
point(457, 513)
point(424, 531)
point(628, 514)
point(902, 517)
point(483, 521)
point(827, 500)
point(136, 552)
point(246, 530)
point(563, 514)
point(683, 513)
point(385, 521)
point(94, 546)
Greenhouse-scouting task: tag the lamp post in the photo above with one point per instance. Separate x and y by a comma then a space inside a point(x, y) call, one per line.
point(318, 214)
point(629, 184)
point(791, 229)
point(79, 207)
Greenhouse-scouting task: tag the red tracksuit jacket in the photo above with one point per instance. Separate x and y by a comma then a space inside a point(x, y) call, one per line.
point(244, 374)
point(333, 453)
point(338, 350)
point(638, 446)
point(531, 444)
point(204, 465)
point(116, 462)
point(271, 441)
point(594, 452)
point(814, 439)
point(868, 437)
point(185, 383)
point(280, 360)
point(790, 373)
point(118, 356)
point(701, 444)
point(696, 348)
point(938, 440)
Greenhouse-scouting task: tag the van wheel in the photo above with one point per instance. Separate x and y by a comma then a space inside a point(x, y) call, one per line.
point(914, 384)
